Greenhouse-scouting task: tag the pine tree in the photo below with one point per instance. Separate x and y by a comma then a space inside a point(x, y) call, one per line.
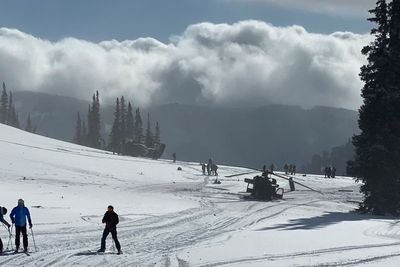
point(12, 114)
point(29, 127)
point(115, 135)
point(149, 135)
point(138, 127)
point(94, 137)
point(4, 105)
point(123, 119)
point(84, 134)
point(157, 139)
point(378, 145)
point(78, 130)
point(130, 123)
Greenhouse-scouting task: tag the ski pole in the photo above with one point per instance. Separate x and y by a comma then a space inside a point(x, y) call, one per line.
point(33, 238)
point(10, 238)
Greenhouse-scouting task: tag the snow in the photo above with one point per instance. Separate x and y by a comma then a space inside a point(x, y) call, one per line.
point(179, 218)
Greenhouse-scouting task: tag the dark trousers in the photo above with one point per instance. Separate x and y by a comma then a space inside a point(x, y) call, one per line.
point(114, 236)
point(18, 231)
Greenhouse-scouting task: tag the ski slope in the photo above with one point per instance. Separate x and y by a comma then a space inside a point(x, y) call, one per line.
point(179, 218)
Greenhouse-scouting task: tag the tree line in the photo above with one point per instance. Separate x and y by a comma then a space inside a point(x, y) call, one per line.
point(8, 113)
point(127, 127)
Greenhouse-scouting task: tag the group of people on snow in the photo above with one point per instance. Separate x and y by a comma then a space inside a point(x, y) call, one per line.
point(290, 169)
point(20, 215)
point(211, 168)
point(330, 172)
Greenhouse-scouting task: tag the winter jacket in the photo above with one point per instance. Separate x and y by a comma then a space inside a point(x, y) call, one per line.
point(19, 214)
point(111, 220)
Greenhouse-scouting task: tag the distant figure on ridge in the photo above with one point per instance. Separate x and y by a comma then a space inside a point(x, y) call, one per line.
point(111, 220)
point(174, 157)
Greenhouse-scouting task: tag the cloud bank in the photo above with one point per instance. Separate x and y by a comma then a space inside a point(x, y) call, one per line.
point(246, 63)
point(348, 8)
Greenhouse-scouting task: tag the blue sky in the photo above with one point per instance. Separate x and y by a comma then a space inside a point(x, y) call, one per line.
point(97, 20)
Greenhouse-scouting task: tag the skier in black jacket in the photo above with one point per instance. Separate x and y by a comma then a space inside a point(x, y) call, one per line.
point(111, 220)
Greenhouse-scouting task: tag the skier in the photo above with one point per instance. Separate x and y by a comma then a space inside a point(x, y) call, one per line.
point(286, 168)
point(18, 216)
point(3, 211)
point(214, 169)
point(111, 220)
point(272, 168)
point(333, 172)
point(174, 157)
point(203, 168)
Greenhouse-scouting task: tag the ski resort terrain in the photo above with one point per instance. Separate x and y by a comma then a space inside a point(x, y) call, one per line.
point(171, 217)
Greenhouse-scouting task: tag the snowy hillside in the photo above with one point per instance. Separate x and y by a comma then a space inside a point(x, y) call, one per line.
point(178, 218)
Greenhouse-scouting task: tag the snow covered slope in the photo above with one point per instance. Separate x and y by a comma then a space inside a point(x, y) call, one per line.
point(178, 218)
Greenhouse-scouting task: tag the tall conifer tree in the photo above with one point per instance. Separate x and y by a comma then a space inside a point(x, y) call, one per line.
point(130, 123)
point(78, 130)
point(138, 127)
point(378, 145)
point(123, 119)
point(116, 134)
point(29, 127)
point(157, 138)
point(4, 105)
point(94, 137)
point(149, 135)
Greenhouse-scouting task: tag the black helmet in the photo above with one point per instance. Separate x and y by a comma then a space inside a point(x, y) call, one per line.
point(4, 210)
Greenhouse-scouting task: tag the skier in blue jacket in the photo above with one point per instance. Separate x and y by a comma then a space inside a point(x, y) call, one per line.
point(18, 216)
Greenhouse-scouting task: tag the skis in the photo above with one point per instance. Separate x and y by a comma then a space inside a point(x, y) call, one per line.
point(92, 253)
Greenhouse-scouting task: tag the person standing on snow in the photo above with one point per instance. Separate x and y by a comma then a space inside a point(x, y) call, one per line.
point(111, 220)
point(18, 216)
point(3, 211)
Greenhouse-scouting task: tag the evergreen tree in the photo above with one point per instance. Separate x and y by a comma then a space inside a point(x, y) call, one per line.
point(29, 126)
point(157, 139)
point(138, 127)
point(116, 134)
point(84, 133)
point(78, 130)
point(123, 119)
point(12, 117)
point(94, 137)
point(130, 123)
point(4, 105)
point(378, 145)
point(149, 135)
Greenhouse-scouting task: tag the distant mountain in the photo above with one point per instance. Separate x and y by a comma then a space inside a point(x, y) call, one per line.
point(239, 136)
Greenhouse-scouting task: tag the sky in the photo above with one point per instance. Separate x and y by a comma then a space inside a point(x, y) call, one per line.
point(209, 52)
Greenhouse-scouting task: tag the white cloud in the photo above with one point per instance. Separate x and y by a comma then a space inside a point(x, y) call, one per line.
point(247, 63)
point(358, 8)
